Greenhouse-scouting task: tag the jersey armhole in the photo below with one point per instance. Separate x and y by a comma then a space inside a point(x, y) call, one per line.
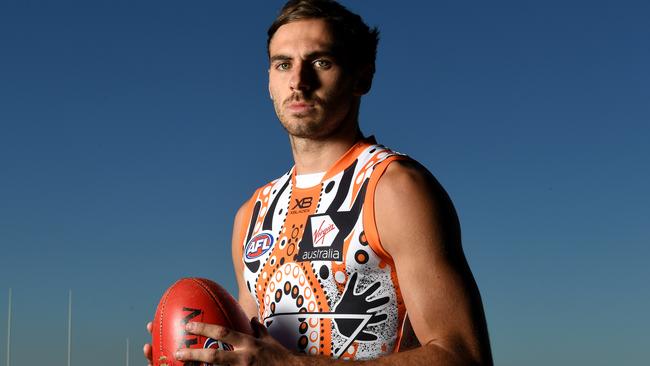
point(369, 223)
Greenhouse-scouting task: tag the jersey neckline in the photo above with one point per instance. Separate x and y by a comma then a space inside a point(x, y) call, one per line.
point(343, 162)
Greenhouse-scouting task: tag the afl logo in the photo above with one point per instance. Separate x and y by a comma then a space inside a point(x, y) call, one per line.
point(213, 343)
point(258, 246)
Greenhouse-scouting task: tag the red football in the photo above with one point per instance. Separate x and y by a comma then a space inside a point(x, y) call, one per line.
point(193, 299)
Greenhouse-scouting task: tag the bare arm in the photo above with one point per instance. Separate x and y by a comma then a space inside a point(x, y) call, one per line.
point(246, 300)
point(418, 227)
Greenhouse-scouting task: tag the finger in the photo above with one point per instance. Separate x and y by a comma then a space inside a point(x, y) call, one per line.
point(211, 356)
point(259, 330)
point(147, 352)
point(371, 289)
point(352, 283)
point(368, 337)
point(224, 334)
point(377, 303)
point(149, 327)
point(377, 319)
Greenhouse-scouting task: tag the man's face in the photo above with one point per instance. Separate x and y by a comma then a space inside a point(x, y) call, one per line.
point(312, 94)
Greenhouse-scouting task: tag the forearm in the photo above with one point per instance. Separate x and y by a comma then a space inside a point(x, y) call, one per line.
point(430, 354)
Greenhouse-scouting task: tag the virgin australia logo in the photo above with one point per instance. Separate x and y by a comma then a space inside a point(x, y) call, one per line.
point(325, 229)
point(322, 231)
point(318, 242)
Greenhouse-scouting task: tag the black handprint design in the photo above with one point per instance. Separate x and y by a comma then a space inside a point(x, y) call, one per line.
point(358, 303)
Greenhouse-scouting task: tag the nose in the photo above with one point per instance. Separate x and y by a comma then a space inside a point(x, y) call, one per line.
point(302, 78)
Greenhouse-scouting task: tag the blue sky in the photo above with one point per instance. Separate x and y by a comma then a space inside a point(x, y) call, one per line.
point(130, 131)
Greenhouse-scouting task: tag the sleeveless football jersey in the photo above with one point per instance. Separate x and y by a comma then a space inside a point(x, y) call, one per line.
point(314, 263)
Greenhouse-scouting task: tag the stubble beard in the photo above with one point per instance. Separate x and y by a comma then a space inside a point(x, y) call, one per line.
point(310, 125)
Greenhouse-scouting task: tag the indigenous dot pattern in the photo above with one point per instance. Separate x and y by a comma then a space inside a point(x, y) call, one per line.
point(350, 308)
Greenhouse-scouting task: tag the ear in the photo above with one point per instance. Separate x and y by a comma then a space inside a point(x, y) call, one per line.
point(364, 80)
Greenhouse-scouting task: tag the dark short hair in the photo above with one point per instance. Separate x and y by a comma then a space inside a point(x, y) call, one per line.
point(355, 42)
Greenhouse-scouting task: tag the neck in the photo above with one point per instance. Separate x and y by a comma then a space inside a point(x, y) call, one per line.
point(318, 155)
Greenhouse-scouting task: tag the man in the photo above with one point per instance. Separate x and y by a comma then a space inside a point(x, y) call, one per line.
point(355, 253)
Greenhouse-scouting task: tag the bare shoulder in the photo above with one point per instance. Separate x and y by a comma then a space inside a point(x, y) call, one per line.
point(408, 177)
point(239, 226)
point(409, 196)
point(241, 213)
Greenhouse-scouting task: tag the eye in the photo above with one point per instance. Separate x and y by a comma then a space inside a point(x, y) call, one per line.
point(282, 66)
point(323, 64)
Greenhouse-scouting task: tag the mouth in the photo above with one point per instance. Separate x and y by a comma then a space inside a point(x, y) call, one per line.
point(301, 107)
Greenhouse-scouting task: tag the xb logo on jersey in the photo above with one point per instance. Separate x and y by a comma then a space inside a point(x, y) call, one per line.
point(258, 245)
point(301, 205)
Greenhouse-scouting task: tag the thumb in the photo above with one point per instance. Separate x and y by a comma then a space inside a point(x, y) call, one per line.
point(259, 330)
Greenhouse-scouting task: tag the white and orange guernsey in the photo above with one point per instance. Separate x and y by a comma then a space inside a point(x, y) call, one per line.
point(314, 263)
